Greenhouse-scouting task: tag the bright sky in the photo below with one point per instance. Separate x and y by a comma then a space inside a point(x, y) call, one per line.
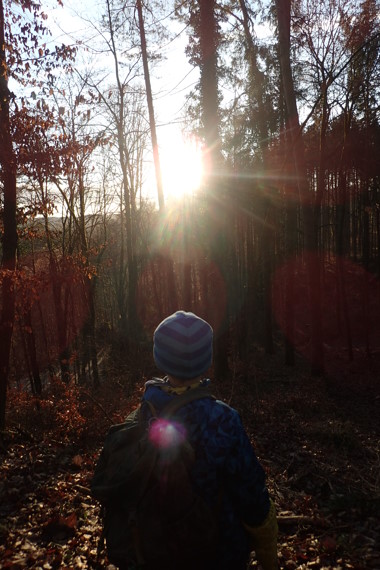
point(171, 80)
point(180, 158)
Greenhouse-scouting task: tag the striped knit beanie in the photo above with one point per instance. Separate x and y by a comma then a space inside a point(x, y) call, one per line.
point(183, 345)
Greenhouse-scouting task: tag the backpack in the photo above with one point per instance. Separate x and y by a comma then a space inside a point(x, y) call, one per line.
point(153, 518)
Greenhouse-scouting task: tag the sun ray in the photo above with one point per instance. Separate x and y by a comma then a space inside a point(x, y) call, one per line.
point(181, 166)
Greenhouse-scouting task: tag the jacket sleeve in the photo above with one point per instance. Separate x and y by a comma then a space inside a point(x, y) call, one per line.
point(246, 485)
point(245, 477)
point(264, 540)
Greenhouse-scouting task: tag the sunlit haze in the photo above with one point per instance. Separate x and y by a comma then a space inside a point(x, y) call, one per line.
point(181, 166)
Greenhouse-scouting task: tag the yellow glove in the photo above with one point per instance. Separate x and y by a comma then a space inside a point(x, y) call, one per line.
point(264, 540)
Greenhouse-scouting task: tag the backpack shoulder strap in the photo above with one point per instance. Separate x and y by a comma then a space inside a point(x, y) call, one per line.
point(182, 399)
point(143, 415)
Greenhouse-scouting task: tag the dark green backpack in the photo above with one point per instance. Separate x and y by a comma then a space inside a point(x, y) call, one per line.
point(153, 518)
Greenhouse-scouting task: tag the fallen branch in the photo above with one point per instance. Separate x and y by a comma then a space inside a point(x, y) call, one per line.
point(297, 519)
point(83, 490)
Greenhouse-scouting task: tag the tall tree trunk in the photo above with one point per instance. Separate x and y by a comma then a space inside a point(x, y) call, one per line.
point(267, 235)
point(366, 221)
point(309, 222)
point(209, 87)
point(168, 267)
point(133, 332)
point(215, 186)
point(131, 258)
point(186, 257)
point(291, 206)
point(9, 242)
point(149, 97)
point(60, 312)
point(268, 247)
point(32, 353)
point(90, 325)
point(342, 303)
point(290, 248)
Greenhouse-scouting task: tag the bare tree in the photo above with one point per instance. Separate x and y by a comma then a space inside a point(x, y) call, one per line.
point(309, 221)
point(8, 167)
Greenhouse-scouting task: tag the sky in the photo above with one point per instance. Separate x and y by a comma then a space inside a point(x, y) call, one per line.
point(171, 80)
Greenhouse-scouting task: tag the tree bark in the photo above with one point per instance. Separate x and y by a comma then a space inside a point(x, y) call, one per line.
point(256, 81)
point(132, 333)
point(9, 242)
point(32, 353)
point(214, 184)
point(309, 222)
point(168, 270)
point(149, 97)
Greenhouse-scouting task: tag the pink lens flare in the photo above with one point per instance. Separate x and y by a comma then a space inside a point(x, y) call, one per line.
point(165, 434)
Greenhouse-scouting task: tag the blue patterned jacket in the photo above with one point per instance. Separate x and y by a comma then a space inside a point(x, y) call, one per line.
point(226, 469)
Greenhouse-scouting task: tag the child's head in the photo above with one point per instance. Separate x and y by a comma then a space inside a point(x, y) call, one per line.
point(182, 345)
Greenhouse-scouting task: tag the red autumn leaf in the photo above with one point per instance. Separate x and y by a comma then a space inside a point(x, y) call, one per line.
point(70, 521)
point(328, 543)
point(77, 461)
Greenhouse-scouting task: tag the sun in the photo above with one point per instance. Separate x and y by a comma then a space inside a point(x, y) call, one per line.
point(181, 166)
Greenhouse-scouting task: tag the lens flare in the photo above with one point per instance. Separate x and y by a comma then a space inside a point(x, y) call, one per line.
point(166, 435)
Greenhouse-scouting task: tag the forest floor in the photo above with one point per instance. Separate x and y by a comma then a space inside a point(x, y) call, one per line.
point(317, 438)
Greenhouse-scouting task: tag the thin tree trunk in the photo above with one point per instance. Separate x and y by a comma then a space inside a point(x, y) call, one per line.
point(291, 205)
point(149, 97)
point(168, 268)
point(32, 353)
point(290, 248)
point(9, 240)
point(90, 341)
point(341, 242)
point(185, 261)
point(341, 279)
point(131, 321)
point(60, 313)
point(268, 243)
point(267, 237)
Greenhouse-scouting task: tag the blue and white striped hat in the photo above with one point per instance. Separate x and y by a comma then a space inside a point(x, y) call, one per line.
point(183, 345)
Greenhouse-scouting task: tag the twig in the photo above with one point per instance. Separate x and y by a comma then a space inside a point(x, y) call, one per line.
point(83, 490)
point(97, 404)
point(26, 434)
point(292, 519)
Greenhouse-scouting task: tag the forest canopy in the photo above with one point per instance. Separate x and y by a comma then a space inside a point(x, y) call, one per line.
point(276, 245)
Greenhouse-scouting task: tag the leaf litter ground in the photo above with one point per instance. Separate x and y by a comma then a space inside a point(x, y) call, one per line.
point(318, 440)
